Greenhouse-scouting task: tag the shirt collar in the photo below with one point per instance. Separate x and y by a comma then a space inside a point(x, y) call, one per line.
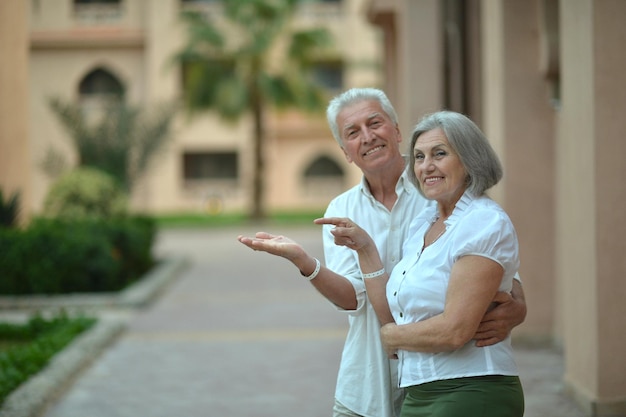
point(403, 185)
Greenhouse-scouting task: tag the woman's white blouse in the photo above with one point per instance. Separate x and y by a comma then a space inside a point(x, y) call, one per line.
point(417, 286)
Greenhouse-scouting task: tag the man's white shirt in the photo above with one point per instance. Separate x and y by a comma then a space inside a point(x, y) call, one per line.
point(367, 379)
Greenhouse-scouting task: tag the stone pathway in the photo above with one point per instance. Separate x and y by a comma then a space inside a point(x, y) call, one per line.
point(240, 334)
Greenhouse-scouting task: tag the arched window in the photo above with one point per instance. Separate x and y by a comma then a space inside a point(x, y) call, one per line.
point(323, 167)
point(323, 177)
point(98, 90)
point(101, 82)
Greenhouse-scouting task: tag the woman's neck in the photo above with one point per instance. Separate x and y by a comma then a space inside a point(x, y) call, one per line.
point(445, 208)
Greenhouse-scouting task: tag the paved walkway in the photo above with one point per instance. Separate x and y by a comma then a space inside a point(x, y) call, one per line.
point(239, 334)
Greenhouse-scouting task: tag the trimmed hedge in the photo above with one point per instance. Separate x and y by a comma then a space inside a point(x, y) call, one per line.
point(59, 256)
point(44, 339)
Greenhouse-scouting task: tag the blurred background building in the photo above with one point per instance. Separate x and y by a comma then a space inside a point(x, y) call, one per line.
point(543, 78)
point(84, 50)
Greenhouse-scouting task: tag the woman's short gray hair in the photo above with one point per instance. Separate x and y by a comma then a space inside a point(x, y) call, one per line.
point(468, 141)
point(352, 96)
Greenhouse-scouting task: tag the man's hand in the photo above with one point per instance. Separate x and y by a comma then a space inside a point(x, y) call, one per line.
point(276, 245)
point(509, 311)
point(386, 337)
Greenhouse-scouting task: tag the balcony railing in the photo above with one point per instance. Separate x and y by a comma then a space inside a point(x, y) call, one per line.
point(316, 11)
point(98, 13)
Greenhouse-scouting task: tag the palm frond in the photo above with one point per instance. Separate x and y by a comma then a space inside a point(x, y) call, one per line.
point(152, 133)
point(277, 90)
point(201, 32)
point(305, 46)
point(233, 95)
point(256, 30)
point(70, 115)
point(114, 138)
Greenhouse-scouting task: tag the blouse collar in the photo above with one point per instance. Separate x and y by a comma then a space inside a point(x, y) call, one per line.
point(460, 207)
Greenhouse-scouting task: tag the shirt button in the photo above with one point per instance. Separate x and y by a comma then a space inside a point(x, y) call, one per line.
point(395, 293)
point(401, 315)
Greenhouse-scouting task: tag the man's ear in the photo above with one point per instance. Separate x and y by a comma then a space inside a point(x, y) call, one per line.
point(346, 155)
point(399, 133)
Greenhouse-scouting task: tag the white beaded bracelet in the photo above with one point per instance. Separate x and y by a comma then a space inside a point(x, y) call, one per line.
point(374, 274)
point(318, 266)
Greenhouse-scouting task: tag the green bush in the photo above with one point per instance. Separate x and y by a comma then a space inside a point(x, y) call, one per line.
point(132, 239)
point(39, 340)
point(59, 256)
point(85, 192)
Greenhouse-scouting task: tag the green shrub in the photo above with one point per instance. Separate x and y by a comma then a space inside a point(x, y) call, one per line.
point(59, 256)
point(132, 239)
point(40, 339)
point(85, 192)
point(52, 257)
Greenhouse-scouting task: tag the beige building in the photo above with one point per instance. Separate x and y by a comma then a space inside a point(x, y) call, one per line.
point(82, 49)
point(544, 78)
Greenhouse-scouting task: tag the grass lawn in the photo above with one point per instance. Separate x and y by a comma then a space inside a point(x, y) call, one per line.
point(232, 219)
point(26, 348)
point(10, 344)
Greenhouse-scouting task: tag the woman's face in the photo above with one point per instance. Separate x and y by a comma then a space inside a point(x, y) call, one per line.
point(438, 169)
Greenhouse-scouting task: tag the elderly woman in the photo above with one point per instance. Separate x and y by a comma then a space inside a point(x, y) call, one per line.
point(458, 255)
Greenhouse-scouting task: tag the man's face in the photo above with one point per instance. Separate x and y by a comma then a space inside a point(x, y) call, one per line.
point(370, 138)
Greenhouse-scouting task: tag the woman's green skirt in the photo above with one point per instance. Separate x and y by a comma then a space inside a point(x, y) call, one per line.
point(481, 396)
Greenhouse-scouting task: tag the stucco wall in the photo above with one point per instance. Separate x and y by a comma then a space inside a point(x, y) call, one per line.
point(14, 145)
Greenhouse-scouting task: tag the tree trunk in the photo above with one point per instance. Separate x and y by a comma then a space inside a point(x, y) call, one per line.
point(258, 184)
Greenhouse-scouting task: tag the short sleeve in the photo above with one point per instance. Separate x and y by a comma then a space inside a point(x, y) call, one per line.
point(489, 233)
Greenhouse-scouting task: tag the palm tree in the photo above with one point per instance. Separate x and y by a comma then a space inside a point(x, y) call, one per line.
point(230, 66)
point(120, 141)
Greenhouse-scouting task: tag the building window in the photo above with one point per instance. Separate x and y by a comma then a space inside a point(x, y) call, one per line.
point(98, 90)
point(208, 9)
point(328, 75)
point(97, 11)
point(101, 82)
point(210, 166)
point(320, 11)
point(323, 178)
point(456, 60)
point(323, 167)
point(550, 49)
